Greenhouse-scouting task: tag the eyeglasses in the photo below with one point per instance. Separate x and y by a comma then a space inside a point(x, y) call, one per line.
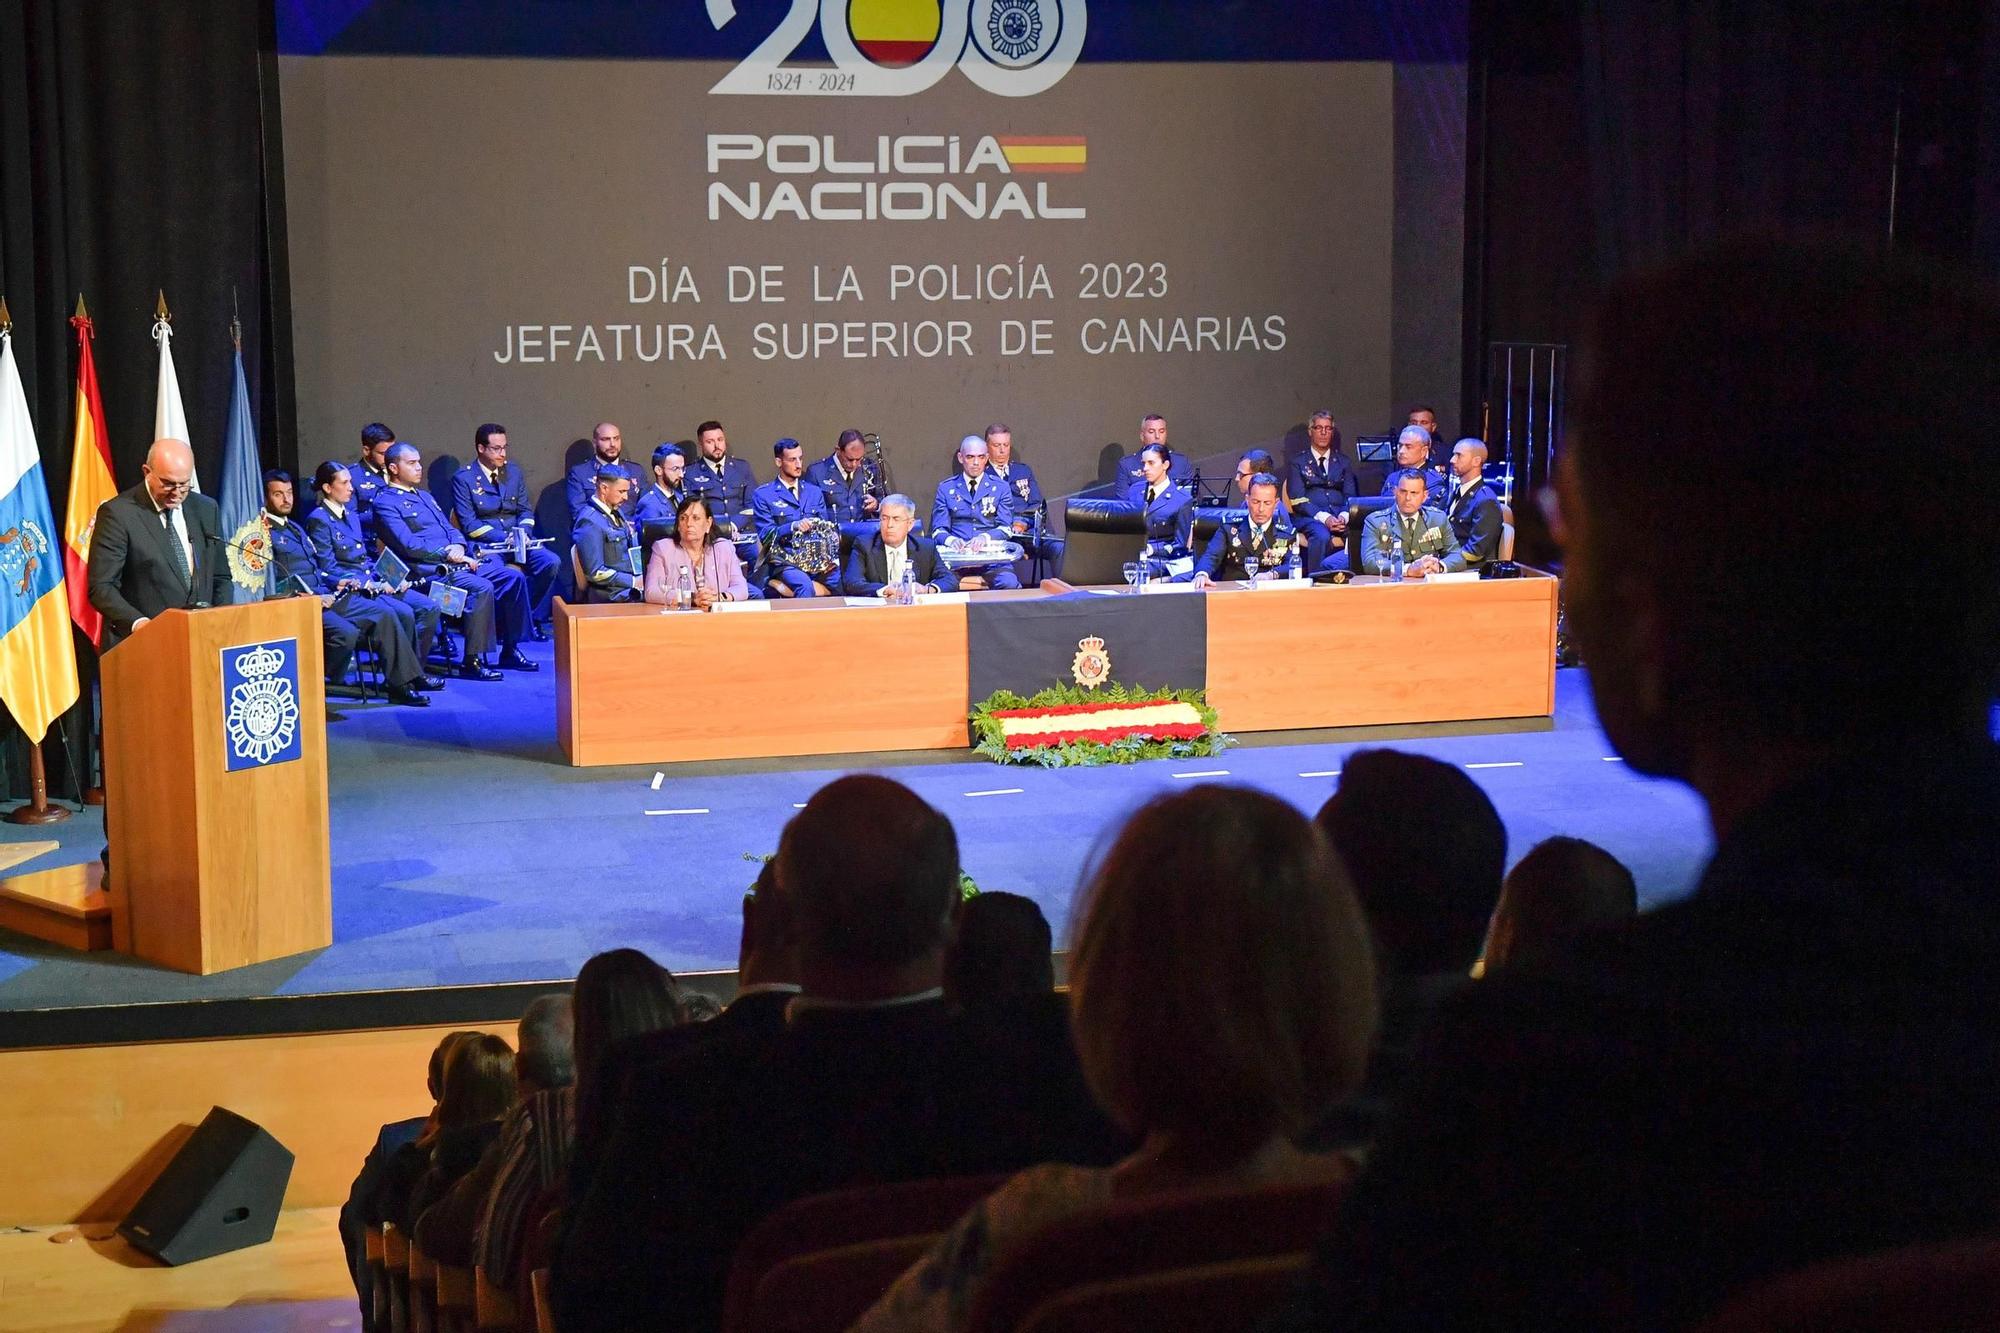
point(174, 487)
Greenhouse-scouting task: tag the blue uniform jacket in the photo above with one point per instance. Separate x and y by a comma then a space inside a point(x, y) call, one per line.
point(1169, 518)
point(1023, 491)
point(488, 513)
point(656, 506)
point(1180, 468)
point(1436, 487)
point(339, 541)
point(1236, 552)
point(580, 484)
point(777, 508)
point(295, 553)
point(1317, 489)
point(727, 490)
point(367, 486)
point(413, 525)
point(604, 542)
point(844, 495)
point(963, 510)
point(1476, 521)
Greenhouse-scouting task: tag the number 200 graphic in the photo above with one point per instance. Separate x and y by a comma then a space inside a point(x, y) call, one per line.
point(895, 48)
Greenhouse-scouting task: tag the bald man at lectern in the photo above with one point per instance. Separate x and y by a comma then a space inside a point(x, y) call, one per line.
point(157, 546)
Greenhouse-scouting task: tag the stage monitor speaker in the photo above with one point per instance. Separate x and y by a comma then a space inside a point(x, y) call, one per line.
point(221, 1192)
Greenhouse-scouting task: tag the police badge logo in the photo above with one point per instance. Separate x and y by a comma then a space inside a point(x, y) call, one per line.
point(263, 717)
point(1091, 666)
point(1014, 33)
point(250, 554)
point(21, 550)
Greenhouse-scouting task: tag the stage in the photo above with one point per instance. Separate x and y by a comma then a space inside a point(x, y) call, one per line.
point(467, 852)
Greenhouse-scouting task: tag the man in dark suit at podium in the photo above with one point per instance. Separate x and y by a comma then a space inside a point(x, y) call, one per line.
point(157, 546)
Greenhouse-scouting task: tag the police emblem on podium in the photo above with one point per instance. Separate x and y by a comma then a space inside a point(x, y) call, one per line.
point(260, 704)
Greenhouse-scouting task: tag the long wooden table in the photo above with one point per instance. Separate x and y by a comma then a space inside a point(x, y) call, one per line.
point(638, 685)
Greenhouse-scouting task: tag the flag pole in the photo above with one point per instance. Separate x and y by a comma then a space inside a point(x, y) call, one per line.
point(93, 793)
point(37, 810)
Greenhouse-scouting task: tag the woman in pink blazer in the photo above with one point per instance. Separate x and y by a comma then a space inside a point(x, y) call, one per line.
point(718, 574)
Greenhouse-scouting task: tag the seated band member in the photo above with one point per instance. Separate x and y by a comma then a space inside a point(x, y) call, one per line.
point(875, 565)
point(654, 513)
point(1169, 513)
point(1429, 545)
point(605, 540)
point(1321, 487)
point(969, 504)
point(1153, 430)
point(1262, 541)
point(800, 542)
point(1413, 454)
point(607, 450)
point(335, 527)
point(712, 567)
point(728, 483)
point(851, 484)
point(371, 476)
point(1473, 508)
point(489, 501)
point(1248, 466)
point(412, 524)
point(1031, 508)
point(349, 612)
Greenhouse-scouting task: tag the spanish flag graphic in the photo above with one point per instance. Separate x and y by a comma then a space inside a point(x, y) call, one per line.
point(894, 33)
point(1044, 152)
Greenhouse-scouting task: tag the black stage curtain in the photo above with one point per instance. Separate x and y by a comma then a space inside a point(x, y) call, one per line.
point(1611, 134)
point(139, 151)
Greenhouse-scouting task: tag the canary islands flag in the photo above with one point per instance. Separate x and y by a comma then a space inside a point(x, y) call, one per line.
point(37, 660)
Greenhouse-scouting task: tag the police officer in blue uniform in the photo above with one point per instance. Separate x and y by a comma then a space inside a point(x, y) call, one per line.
point(607, 444)
point(1024, 493)
point(605, 541)
point(1321, 485)
point(1153, 430)
point(1258, 541)
point(371, 477)
point(726, 483)
point(413, 525)
point(1169, 513)
point(971, 502)
point(489, 502)
point(852, 487)
point(335, 528)
point(349, 613)
point(656, 509)
point(784, 509)
point(1413, 454)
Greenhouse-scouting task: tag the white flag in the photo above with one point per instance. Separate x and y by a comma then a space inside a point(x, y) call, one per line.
point(169, 417)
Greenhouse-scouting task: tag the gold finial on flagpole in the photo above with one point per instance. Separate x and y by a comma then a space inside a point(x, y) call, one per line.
point(81, 313)
point(6, 320)
point(236, 319)
point(160, 311)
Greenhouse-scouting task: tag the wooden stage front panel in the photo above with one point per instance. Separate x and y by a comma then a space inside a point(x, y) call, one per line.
point(637, 686)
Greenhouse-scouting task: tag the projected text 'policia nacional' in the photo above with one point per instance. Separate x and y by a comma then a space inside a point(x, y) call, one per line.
point(850, 188)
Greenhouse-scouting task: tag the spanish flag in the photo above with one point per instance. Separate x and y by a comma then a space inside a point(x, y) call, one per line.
point(90, 483)
point(37, 661)
point(895, 33)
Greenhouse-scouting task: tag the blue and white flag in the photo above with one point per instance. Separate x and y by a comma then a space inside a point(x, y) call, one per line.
point(37, 659)
point(242, 498)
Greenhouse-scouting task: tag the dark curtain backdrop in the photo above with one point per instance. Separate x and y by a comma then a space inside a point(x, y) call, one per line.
point(139, 152)
point(1609, 134)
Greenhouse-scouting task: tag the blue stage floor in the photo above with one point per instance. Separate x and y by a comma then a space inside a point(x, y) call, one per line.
point(466, 851)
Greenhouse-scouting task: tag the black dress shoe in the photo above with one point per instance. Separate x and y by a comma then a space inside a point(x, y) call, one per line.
point(409, 698)
point(477, 671)
point(540, 632)
point(432, 683)
point(515, 660)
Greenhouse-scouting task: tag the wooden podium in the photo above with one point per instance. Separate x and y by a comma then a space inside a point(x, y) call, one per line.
point(215, 786)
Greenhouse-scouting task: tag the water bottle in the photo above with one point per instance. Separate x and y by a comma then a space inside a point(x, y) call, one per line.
point(687, 588)
point(1295, 566)
point(907, 595)
point(1145, 561)
point(1396, 559)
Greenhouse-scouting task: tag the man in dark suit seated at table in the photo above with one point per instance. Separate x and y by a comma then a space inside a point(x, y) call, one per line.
point(157, 546)
point(1471, 505)
point(875, 565)
point(868, 1083)
point(1796, 1062)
